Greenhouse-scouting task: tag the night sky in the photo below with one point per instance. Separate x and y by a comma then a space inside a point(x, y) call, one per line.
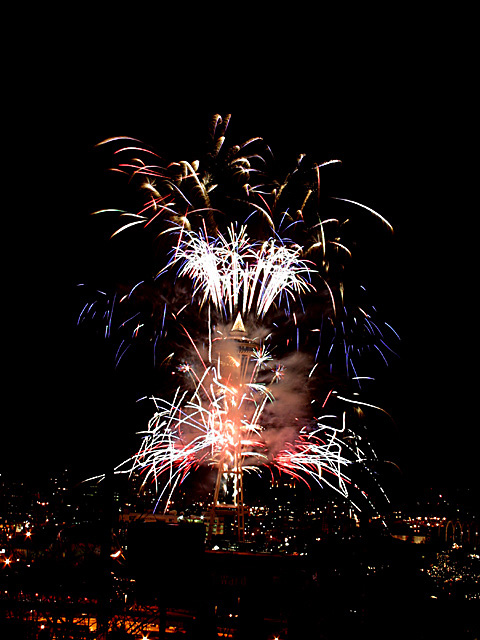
point(400, 145)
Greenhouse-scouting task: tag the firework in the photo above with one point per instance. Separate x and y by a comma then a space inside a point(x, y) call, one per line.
point(220, 424)
point(237, 247)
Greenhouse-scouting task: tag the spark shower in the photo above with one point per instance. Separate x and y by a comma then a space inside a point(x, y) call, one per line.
point(254, 306)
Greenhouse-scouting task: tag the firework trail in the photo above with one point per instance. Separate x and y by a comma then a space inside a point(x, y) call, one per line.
point(257, 292)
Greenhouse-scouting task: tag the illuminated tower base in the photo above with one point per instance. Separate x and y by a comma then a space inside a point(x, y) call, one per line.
point(228, 509)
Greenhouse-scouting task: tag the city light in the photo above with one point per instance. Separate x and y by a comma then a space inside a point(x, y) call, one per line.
point(231, 298)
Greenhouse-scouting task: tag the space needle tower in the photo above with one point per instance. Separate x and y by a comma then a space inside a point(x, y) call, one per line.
point(233, 355)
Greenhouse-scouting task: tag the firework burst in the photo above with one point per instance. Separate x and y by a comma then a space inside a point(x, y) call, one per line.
point(255, 289)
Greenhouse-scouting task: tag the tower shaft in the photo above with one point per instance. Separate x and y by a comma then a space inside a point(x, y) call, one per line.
point(233, 355)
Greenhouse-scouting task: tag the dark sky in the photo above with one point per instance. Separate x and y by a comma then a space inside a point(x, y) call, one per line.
point(399, 143)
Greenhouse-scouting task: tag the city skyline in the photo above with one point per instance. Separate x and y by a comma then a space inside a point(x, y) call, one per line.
point(404, 139)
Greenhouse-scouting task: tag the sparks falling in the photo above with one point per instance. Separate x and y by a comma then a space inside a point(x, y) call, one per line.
point(256, 289)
